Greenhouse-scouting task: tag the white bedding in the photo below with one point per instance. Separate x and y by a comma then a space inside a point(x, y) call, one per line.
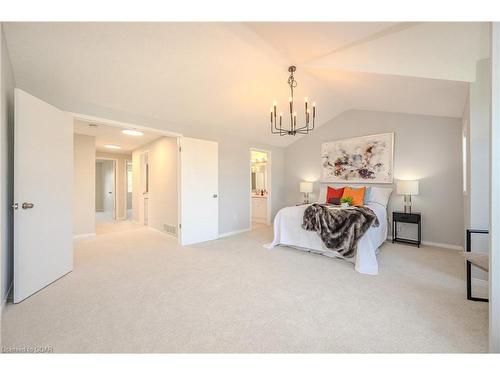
point(288, 232)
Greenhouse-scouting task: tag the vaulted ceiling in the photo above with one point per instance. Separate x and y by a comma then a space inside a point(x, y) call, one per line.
point(202, 78)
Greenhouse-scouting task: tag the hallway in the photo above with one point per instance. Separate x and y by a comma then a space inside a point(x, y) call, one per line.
point(105, 224)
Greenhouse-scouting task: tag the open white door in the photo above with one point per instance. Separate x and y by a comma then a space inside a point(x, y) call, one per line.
point(43, 195)
point(199, 160)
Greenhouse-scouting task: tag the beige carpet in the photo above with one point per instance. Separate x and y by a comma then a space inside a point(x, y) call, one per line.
point(138, 291)
point(104, 223)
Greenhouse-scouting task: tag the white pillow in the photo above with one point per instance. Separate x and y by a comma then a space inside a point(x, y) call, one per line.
point(380, 195)
point(322, 194)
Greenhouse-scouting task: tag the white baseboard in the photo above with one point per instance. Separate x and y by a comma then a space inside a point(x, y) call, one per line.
point(234, 232)
point(259, 220)
point(436, 244)
point(443, 245)
point(85, 235)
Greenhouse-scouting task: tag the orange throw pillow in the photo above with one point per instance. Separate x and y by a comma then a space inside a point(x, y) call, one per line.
point(357, 195)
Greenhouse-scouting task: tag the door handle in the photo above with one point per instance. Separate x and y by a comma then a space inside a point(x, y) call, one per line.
point(27, 205)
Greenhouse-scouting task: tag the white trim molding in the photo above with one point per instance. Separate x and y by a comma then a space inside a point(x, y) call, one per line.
point(494, 269)
point(436, 244)
point(84, 235)
point(234, 232)
point(443, 245)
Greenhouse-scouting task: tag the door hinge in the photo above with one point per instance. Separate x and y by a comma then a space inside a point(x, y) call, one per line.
point(180, 149)
point(180, 226)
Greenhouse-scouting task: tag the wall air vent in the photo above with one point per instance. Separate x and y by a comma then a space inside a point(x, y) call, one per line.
point(170, 229)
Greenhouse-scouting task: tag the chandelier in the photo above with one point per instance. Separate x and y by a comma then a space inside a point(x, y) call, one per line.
point(292, 129)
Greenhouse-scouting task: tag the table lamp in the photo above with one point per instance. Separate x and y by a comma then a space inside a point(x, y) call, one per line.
point(407, 188)
point(306, 188)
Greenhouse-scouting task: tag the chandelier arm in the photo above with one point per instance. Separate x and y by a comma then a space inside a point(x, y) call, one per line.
point(272, 129)
point(302, 132)
point(303, 127)
point(275, 129)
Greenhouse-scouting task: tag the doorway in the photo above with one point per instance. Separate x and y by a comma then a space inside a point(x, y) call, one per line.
point(260, 187)
point(105, 189)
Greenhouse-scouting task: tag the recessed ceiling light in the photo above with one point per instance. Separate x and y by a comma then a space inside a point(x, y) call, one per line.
point(132, 132)
point(114, 147)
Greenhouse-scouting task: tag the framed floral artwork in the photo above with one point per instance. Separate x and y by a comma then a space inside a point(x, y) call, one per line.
point(367, 159)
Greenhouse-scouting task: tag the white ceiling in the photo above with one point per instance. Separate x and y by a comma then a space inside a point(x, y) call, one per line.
point(197, 78)
point(105, 134)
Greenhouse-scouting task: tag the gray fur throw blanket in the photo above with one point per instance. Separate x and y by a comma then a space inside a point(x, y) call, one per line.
point(340, 229)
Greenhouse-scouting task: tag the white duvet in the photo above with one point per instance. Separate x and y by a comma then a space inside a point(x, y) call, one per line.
point(288, 232)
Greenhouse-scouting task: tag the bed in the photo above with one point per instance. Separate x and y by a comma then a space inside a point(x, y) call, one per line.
point(288, 232)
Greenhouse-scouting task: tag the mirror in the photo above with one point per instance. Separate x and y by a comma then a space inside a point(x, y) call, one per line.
point(259, 176)
point(259, 172)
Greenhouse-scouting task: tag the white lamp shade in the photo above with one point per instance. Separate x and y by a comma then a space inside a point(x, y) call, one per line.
point(407, 187)
point(306, 187)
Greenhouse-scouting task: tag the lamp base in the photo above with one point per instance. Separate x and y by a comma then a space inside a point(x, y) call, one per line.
point(306, 198)
point(407, 204)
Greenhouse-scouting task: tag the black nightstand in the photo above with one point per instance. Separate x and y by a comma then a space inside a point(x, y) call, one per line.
point(412, 218)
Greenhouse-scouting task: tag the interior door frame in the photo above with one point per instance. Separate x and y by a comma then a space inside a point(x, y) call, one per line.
point(115, 184)
point(144, 174)
point(268, 182)
point(126, 186)
point(494, 275)
point(165, 133)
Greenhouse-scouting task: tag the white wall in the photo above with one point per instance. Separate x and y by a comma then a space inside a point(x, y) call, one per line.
point(7, 85)
point(163, 196)
point(425, 147)
point(121, 179)
point(84, 184)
